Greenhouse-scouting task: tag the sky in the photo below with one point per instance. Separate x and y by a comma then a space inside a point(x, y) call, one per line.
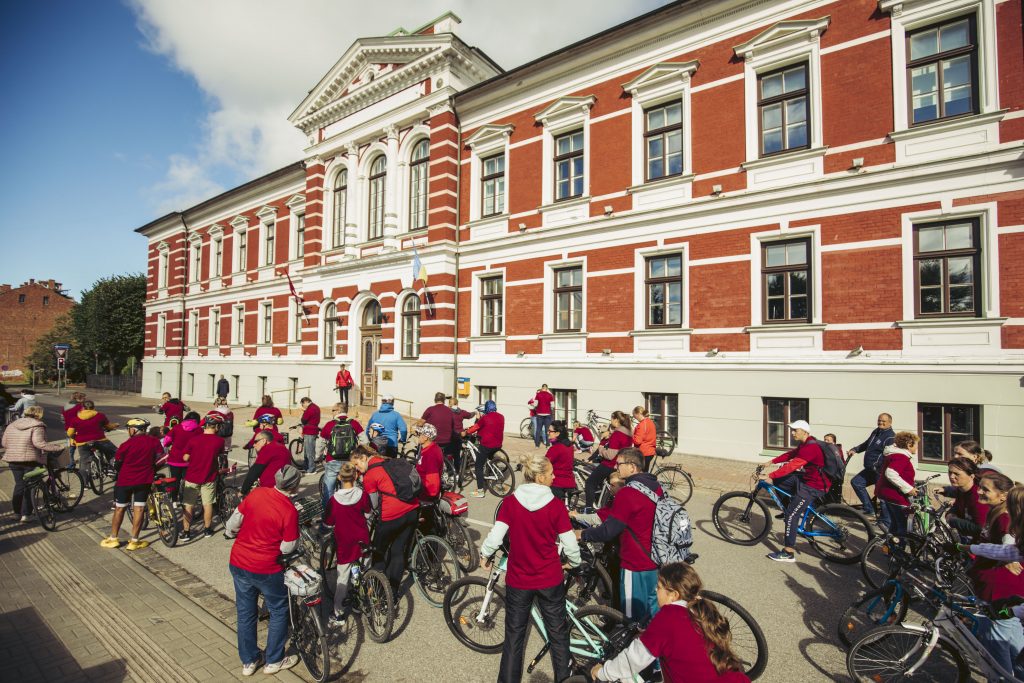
point(116, 112)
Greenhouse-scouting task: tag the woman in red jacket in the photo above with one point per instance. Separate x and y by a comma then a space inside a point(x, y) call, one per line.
point(561, 456)
point(266, 408)
point(645, 435)
point(968, 513)
point(895, 485)
point(619, 437)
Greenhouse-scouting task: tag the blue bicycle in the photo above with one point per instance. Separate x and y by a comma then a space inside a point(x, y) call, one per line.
point(836, 531)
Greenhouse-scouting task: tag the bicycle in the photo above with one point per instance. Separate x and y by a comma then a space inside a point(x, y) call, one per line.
point(297, 447)
point(64, 485)
point(876, 563)
point(369, 595)
point(162, 508)
point(434, 566)
point(228, 498)
point(664, 444)
point(499, 475)
point(836, 531)
point(452, 529)
point(308, 636)
point(99, 465)
point(44, 504)
point(674, 481)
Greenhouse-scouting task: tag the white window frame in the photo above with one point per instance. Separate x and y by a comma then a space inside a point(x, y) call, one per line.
point(661, 84)
point(294, 322)
point(296, 213)
point(214, 331)
point(405, 171)
point(640, 287)
point(161, 332)
point(565, 115)
point(163, 265)
point(238, 326)
point(190, 384)
point(418, 333)
point(195, 258)
point(266, 331)
point(370, 156)
point(549, 294)
point(784, 44)
point(757, 240)
point(268, 226)
point(193, 328)
point(211, 385)
point(216, 251)
point(487, 141)
point(328, 352)
point(908, 15)
point(240, 226)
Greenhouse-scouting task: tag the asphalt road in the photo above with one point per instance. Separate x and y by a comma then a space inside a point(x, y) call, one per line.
point(797, 605)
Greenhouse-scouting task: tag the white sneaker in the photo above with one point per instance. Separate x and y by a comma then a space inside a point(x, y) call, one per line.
point(286, 663)
point(25, 519)
point(250, 669)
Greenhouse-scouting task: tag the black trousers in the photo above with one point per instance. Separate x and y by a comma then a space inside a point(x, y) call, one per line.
point(86, 451)
point(21, 503)
point(551, 603)
point(343, 395)
point(481, 460)
point(803, 495)
point(594, 483)
point(390, 542)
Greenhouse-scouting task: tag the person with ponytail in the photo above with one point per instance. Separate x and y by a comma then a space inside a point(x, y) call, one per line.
point(562, 459)
point(688, 635)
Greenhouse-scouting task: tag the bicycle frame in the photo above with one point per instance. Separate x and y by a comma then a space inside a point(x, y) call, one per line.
point(775, 492)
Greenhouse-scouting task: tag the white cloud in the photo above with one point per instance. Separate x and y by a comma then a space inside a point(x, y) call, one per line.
point(256, 59)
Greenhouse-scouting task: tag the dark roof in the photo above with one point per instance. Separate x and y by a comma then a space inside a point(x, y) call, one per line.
point(290, 168)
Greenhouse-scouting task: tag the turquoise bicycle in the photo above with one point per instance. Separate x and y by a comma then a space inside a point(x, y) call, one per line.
point(836, 531)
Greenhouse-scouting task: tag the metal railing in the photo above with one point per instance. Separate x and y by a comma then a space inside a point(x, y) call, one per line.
point(293, 395)
point(128, 384)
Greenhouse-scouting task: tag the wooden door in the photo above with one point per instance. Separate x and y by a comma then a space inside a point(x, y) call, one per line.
point(368, 369)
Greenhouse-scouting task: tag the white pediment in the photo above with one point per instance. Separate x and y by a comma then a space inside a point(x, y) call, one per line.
point(782, 34)
point(489, 135)
point(659, 76)
point(267, 211)
point(565, 107)
point(239, 222)
point(296, 201)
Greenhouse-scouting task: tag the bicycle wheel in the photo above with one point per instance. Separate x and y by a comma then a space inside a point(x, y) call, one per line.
point(328, 561)
point(741, 518)
point(310, 641)
point(434, 567)
point(877, 562)
point(499, 477)
point(378, 606)
point(466, 552)
point(595, 585)
point(675, 482)
point(166, 522)
point(748, 641)
point(664, 444)
point(871, 610)
point(849, 532)
point(145, 515)
point(227, 500)
point(476, 618)
point(322, 487)
point(97, 481)
point(886, 653)
point(298, 450)
point(588, 634)
point(70, 488)
point(526, 429)
point(44, 507)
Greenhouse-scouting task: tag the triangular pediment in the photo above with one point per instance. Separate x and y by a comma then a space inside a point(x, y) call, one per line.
point(782, 33)
point(564, 106)
point(489, 133)
point(662, 74)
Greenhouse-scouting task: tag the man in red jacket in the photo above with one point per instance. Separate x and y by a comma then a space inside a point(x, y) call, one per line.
point(88, 431)
point(800, 475)
point(343, 382)
point(491, 426)
point(310, 421)
point(136, 466)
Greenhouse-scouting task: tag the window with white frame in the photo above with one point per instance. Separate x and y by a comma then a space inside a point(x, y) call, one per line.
point(565, 406)
point(947, 269)
point(664, 287)
point(297, 321)
point(565, 148)
point(786, 281)
point(340, 209)
point(664, 411)
point(485, 394)
point(377, 181)
point(234, 386)
point(241, 247)
point(269, 235)
point(411, 327)
point(663, 140)
point(193, 328)
point(488, 170)
point(215, 326)
point(942, 70)
point(190, 384)
point(300, 235)
point(217, 262)
point(568, 165)
point(777, 415)
point(661, 121)
point(330, 314)
point(161, 331)
point(196, 260)
point(238, 336)
point(163, 267)
point(782, 107)
point(942, 426)
point(419, 167)
point(211, 385)
point(568, 299)
point(267, 321)
point(492, 185)
point(492, 304)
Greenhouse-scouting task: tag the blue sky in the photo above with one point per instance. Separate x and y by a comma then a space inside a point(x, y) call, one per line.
point(117, 111)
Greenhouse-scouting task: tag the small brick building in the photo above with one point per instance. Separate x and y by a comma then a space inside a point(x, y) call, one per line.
point(27, 313)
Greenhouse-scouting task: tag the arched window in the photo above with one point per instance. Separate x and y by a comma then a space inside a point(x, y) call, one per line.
point(340, 208)
point(378, 176)
point(330, 329)
point(411, 327)
point(372, 317)
point(418, 167)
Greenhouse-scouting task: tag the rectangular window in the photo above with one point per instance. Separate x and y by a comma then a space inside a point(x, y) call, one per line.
point(786, 274)
point(218, 255)
point(21, 298)
point(243, 255)
point(492, 303)
point(215, 327)
point(377, 179)
point(942, 426)
point(569, 165)
point(663, 140)
point(269, 233)
point(665, 291)
point(569, 299)
point(293, 390)
point(947, 269)
point(159, 381)
point(942, 70)
point(778, 413)
point(783, 99)
point(485, 394)
point(193, 328)
point(261, 383)
point(268, 322)
point(234, 385)
point(565, 406)
point(211, 384)
point(492, 180)
point(239, 326)
point(190, 384)
point(46, 301)
point(164, 268)
point(197, 252)
point(300, 235)
point(297, 322)
point(664, 410)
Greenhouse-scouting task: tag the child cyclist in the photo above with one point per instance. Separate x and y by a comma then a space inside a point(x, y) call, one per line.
point(349, 506)
point(688, 636)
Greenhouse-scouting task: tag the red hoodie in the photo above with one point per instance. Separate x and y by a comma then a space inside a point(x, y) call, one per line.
point(492, 429)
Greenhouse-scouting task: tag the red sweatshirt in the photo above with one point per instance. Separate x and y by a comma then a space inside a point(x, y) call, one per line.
point(807, 455)
point(492, 429)
point(561, 457)
point(310, 420)
point(429, 465)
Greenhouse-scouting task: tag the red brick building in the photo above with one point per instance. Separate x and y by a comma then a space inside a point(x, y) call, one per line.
point(738, 213)
point(26, 314)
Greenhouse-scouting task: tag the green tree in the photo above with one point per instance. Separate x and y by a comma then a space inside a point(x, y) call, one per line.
point(110, 321)
point(44, 359)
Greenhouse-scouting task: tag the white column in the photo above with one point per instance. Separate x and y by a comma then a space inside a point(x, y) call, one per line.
point(391, 199)
point(354, 205)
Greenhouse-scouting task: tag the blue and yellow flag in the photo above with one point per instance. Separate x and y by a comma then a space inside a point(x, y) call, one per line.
point(419, 271)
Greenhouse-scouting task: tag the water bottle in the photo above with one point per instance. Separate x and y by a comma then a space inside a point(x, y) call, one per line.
point(354, 580)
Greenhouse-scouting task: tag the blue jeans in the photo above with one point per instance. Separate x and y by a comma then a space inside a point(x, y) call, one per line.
point(540, 430)
point(248, 587)
point(1004, 639)
point(639, 591)
point(309, 448)
point(897, 516)
point(860, 484)
point(331, 469)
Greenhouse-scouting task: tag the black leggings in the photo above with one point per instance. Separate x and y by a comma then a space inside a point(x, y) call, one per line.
point(179, 474)
point(21, 503)
point(594, 483)
point(482, 457)
point(390, 541)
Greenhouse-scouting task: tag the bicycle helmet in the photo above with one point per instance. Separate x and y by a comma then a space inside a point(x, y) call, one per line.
point(267, 419)
point(376, 426)
point(387, 398)
point(212, 420)
point(428, 430)
point(490, 407)
point(137, 423)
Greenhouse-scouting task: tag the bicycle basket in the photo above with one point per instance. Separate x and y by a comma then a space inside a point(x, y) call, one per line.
point(302, 581)
point(309, 508)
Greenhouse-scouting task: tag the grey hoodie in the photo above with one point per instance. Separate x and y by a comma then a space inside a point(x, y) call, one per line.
point(532, 497)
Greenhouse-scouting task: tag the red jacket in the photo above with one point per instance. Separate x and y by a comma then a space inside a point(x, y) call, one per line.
point(88, 425)
point(807, 455)
point(343, 379)
point(492, 429)
point(885, 489)
point(310, 420)
point(561, 456)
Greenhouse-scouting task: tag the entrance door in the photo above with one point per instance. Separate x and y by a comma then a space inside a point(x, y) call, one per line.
point(368, 369)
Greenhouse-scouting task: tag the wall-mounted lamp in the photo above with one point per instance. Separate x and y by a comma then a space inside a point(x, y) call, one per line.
point(713, 352)
point(716, 190)
point(522, 227)
point(855, 352)
point(858, 164)
point(520, 354)
point(608, 209)
point(606, 352)
point(248, 355)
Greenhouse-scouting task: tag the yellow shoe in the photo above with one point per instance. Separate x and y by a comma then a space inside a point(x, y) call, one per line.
point(137, 545)
point(110, 542)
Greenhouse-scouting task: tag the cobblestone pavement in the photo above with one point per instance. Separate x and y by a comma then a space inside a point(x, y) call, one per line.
point(796, 605)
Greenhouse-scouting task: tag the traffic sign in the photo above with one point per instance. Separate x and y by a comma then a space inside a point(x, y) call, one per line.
point(61, 353)
point(62, 346)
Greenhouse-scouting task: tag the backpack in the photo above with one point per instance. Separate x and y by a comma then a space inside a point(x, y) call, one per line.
point(672, 534)
point(404, 477)
point(834, 468)
point(342, 440)
point(227, 428)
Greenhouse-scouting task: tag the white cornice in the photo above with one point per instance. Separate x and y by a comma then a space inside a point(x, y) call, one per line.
point(782, 33)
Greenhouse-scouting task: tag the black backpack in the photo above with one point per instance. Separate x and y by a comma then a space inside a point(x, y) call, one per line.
point(342, 440)
point(834, 468)
point(404, 477)
point(227, 428)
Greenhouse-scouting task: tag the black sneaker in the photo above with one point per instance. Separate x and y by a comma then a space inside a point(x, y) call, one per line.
point(185, 535)
point(208, 533)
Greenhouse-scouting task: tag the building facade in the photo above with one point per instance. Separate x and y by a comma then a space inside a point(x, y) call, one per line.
point(736, 213)
point(27, 313)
